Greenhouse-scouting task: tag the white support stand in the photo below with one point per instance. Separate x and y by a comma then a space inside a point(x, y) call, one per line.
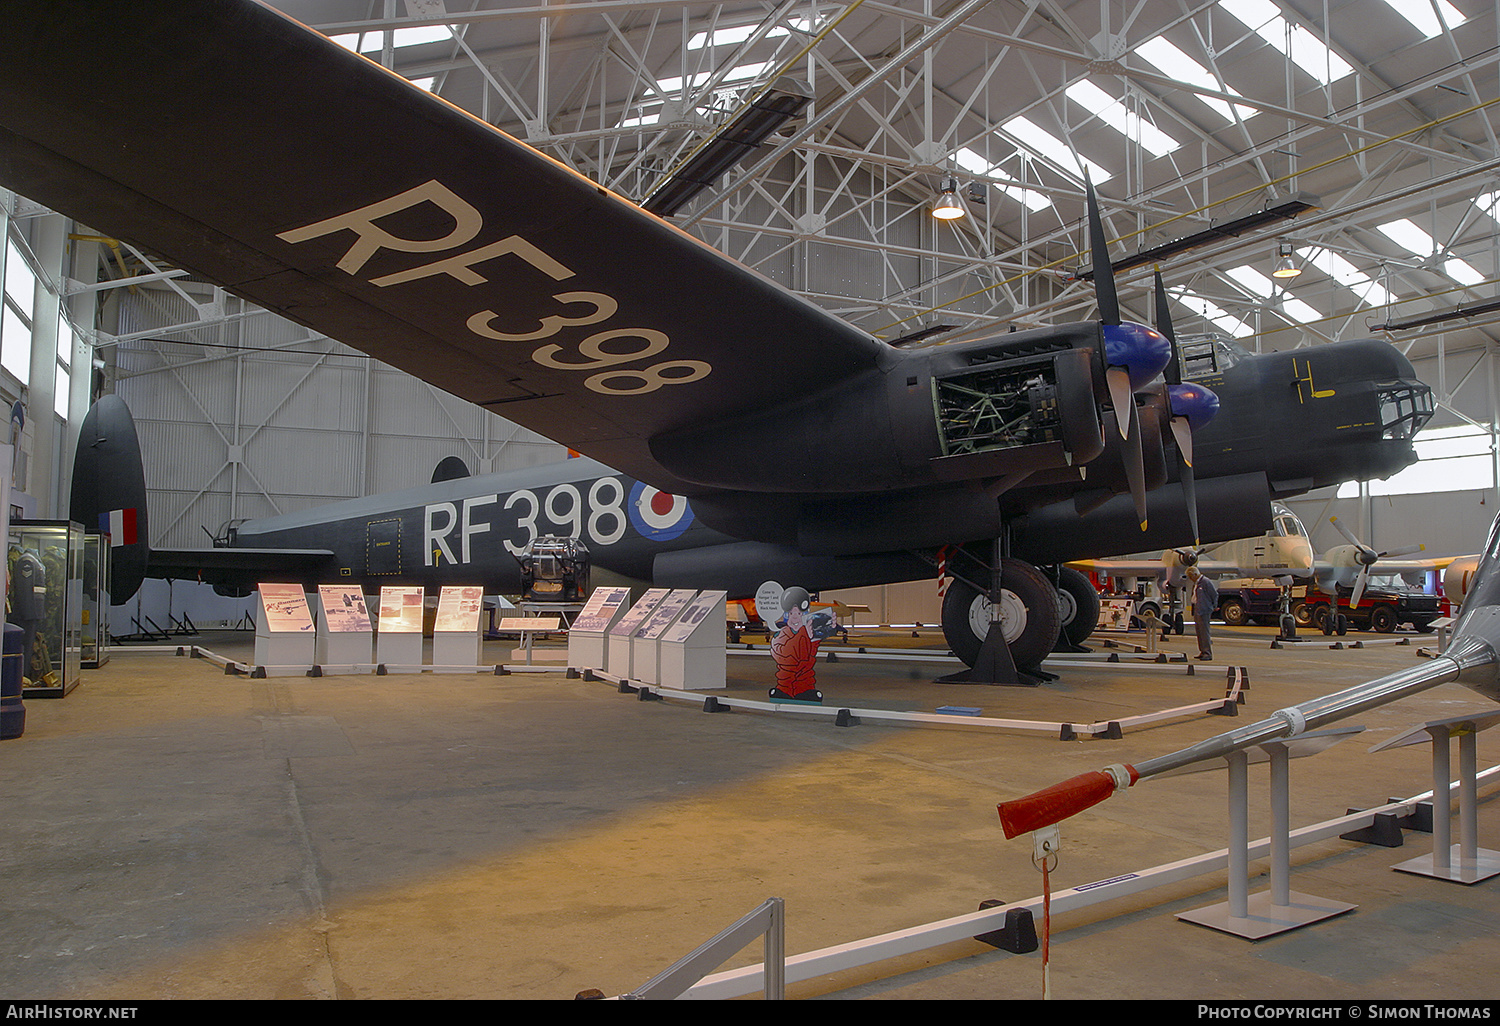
point(528, 627)
point(1443, 624)
point(1280, 909)
point(399, 641)
point(285, 643)
point(645, 644)
point(586, 638)
point(692, 655)
point(344, 642)
point(1464, 862)
point(456, 634)
point(619, 649)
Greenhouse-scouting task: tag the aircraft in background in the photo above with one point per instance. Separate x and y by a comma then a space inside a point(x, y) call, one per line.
point(316, 184)
point(1284, 554)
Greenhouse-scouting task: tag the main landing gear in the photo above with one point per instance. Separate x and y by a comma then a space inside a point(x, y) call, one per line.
point(1005, 631)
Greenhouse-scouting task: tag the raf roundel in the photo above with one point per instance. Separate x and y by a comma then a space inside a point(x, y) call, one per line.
point(658, 515)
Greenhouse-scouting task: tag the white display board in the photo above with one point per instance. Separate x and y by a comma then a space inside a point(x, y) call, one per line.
point(618, 653)
point(691, 654)
point(586, 647)
point(399, 641)
point(1115, 614)
point(285, 643)
point(344, 629)
point(646, 641)
point(455, 633)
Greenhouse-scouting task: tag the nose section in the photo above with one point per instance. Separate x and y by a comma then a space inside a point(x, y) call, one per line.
point(1299, 555)
point(1144, 352)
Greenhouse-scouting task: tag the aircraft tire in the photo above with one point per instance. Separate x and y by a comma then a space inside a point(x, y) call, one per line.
point(1029, 615)
point(1080, 597)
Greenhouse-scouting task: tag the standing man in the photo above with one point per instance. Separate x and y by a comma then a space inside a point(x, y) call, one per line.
point(1205, 604)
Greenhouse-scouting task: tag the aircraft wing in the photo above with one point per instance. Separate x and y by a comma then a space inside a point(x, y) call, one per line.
point(256, 152)
point(241, 568)
point(1156, 568)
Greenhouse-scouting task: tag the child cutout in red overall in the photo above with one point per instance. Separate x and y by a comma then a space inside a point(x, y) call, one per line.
point(795, 647)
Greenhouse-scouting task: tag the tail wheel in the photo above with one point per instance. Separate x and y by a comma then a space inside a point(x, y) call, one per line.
point(1079, 604)
point(1029, 618)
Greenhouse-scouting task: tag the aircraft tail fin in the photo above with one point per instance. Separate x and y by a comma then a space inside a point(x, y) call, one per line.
point(449, 468)
point(109, 491)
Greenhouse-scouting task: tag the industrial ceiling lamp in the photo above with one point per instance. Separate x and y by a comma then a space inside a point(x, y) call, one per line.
point(1286, 266)
point(948, 207)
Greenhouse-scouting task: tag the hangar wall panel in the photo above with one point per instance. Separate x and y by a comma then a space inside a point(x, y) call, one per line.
point(253, 416)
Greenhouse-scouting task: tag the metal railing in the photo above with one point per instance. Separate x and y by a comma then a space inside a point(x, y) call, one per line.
point(769, 919)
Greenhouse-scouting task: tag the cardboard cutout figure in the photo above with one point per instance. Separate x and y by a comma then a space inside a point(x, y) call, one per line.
point(795, 647)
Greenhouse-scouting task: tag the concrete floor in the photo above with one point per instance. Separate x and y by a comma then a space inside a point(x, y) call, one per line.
point(173, 832)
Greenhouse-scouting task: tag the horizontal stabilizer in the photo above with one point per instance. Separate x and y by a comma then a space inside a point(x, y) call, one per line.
point(241, 570)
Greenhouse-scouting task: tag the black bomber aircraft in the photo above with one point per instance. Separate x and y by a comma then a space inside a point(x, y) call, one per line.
point(734, 432)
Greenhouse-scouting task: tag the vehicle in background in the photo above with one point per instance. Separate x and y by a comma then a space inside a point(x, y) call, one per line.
point(1386, 604)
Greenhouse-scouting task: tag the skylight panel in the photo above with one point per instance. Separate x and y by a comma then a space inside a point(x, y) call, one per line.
point(1347, 275)
point(725, 37)
point(648, 116)
point(373, 42)
point(1167, 58)
point(1115, 114)
point(1461, 271)
point(972, 162)
point(1424, 19)
point(1213, 313)
point(1044, 144)
point(1305, 49)
point(1489, 203)
point(1258, 285)
point(1406, 234)
point(1409, 237)
point(743, 72)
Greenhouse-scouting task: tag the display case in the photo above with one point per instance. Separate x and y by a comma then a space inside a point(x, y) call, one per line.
point(45, 600)
point(94, 640)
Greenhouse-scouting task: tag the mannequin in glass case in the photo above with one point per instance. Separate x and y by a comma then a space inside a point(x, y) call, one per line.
point(28, 605)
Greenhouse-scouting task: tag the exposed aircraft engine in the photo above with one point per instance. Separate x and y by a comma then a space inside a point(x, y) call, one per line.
point(554, 570)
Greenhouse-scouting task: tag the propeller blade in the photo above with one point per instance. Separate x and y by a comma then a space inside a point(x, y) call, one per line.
point(1346, 533)
point(1173, 372)
point(1135, 464)
point(1359, 586)
point(1118, 379)
point(1403, 551)
point(1104, 273)
point(1183, 432)
point(1190, 496)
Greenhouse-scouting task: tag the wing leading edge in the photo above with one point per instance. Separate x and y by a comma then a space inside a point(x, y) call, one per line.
point(317, 184)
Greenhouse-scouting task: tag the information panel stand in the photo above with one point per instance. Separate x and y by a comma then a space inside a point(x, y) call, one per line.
point(586, 638)
point(692, 655)
point(344, 643)
point(455, 635)
point(644, 644)
point(285, 644)
point(618, 656)
point(1464, 862)
point(399, 642)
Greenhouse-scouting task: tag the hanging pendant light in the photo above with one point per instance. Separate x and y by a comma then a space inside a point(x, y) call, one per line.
point(948, 207)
